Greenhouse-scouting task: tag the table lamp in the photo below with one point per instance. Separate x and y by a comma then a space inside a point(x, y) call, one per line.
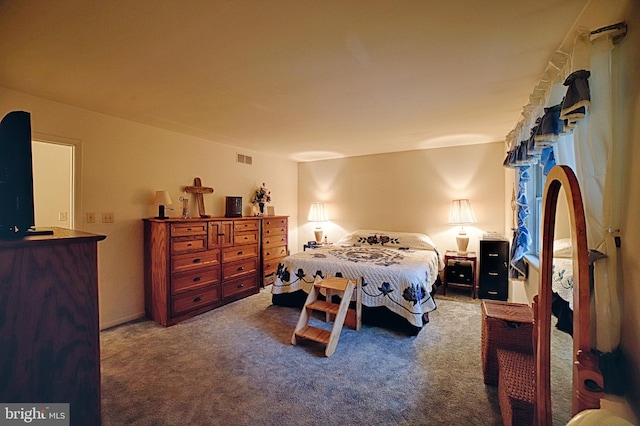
point(317, 214)
point(161, 200)
point(460, 214)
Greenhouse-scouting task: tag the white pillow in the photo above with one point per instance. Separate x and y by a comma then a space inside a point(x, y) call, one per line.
point(388, 238)
point(562, 248)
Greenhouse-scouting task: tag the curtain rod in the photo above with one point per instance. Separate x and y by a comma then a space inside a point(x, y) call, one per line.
point(618, 26)
point(621, 27)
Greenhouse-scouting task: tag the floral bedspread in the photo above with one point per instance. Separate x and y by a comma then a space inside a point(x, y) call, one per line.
point(399, 279)
point(562, 279)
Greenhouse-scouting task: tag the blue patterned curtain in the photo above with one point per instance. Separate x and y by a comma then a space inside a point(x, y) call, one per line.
point(548, 160)
point(521, 237)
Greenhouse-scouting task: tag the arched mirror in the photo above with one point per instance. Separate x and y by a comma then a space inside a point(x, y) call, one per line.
point(561, 355)
point(586, 389)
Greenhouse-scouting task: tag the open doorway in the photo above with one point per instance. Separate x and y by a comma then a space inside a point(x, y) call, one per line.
point(53, 184)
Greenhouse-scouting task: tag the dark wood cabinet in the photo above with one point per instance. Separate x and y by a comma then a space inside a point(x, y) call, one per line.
point(494, 269)
point(49, 324)
point(195, 265)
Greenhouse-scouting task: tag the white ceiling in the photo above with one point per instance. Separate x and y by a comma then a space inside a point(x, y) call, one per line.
point(299, 79)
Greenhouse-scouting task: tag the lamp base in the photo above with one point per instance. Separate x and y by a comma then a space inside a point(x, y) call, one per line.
point(462, 240)
point(318, 234)
point(161, 213)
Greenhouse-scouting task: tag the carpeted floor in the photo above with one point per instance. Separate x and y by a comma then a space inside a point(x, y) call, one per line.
point(236, 366)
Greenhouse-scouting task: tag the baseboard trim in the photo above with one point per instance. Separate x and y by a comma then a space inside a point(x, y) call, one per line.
point(109, 324)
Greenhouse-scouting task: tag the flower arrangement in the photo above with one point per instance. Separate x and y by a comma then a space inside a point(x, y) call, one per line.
point(262, 195)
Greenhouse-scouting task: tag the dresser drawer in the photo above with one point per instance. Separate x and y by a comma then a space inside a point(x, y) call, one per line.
point(460, 271)
point(492, 260)
point(186, 245)
point(276, 230)
point(245, 225)
point(198, 278)
point(236, 287)
point(189, 261)
point(245, 238)
point(194, 300)
point(240, 268)
point(232, 254)
point(274, 241)
point(274, 252)
point(188, 229)
point(275, 223)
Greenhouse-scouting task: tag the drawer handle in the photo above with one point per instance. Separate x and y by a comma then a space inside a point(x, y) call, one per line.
point(246, 238)
point(240, 285)
point(197, 260)
point(493, 274)
point(189, 244)
point(241, 268)
point(493, 254)
point(189, 229)
point(221, 235)
point(197, 299)
point(240, 252)
point(492, 292)
point(196, 279)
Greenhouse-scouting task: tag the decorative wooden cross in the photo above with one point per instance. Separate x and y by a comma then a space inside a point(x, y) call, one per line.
point(198, 190)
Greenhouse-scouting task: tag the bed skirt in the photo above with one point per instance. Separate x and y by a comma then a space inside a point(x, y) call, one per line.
point(561, 310)
point(374, 316)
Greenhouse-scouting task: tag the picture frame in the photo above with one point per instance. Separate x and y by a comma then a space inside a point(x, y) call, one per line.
point(271, 211)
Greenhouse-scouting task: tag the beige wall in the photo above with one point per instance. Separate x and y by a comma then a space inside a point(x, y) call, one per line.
point(406, 191)
point(123, 163)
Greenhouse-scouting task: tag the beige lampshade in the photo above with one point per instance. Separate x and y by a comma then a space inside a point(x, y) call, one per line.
point(461, 213)
point(162, 198)
point(317, 213)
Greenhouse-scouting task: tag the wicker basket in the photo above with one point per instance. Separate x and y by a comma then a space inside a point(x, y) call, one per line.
point(504, 326)
point(516, 387)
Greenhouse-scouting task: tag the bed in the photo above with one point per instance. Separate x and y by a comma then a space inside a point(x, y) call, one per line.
point(562, 284)
point(399, 270)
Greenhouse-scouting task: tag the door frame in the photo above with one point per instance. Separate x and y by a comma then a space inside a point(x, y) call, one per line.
point(76, 171)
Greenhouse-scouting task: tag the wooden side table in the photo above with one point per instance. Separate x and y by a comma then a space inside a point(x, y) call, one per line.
point(460, 270)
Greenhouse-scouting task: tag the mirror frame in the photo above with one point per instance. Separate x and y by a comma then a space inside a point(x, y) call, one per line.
point(587, 380)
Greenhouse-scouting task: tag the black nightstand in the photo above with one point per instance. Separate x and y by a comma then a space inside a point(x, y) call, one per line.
point(460, 270)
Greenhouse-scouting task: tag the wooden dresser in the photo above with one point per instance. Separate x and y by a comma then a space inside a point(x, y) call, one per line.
point(49, 325)
point(275, 231)
point(194, 265)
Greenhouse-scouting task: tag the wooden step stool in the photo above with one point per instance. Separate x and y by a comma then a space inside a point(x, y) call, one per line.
point(339, 313)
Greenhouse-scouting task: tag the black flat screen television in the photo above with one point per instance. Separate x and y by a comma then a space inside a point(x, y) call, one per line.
point(17, 214)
